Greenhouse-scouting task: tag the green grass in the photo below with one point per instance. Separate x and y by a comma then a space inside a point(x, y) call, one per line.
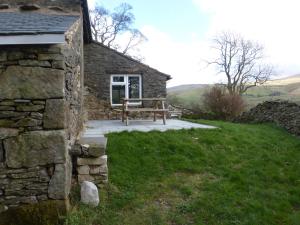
point(239, 174)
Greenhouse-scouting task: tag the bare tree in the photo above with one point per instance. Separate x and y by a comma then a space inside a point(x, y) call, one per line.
point(241, 61)
point(107, 27)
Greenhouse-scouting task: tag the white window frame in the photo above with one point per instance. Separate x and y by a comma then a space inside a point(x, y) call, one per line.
point(125, 83)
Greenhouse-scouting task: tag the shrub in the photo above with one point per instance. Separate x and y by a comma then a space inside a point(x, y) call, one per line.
point(222, 104)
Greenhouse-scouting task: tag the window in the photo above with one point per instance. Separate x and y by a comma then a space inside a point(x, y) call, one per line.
point(125, 86)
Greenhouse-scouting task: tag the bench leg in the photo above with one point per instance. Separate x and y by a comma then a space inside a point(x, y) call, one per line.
point(127, 122)
point(123, 116)
point(154, 118)
point(164, 118)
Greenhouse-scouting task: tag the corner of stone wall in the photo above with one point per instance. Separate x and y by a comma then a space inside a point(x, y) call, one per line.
point(40, 119)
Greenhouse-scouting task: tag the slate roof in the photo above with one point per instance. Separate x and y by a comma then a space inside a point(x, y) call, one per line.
point(14, 23)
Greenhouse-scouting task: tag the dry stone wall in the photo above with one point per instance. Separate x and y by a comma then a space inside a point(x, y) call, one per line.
point(40, 119)
point(91, 160)
point(283, 113)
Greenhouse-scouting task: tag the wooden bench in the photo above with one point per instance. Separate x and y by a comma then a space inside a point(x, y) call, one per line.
point(158, 108)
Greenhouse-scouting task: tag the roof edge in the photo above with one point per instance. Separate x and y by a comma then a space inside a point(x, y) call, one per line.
point(32, 39)
point(169, 77)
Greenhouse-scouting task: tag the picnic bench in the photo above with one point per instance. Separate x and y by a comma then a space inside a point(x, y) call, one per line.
point(158, 107)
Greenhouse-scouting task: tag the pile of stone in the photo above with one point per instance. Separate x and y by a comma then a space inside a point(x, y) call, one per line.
point(283, 113)
point(91, 160)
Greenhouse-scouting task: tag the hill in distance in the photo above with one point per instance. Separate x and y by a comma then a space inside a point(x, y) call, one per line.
point(287, 88)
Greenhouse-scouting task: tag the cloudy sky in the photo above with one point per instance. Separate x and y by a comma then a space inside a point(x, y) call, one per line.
point(179, 33)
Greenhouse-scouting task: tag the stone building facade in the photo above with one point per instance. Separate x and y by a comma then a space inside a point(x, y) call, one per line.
point(100, 63)
point(41, 116)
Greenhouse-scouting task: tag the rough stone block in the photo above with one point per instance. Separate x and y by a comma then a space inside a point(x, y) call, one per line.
point(100, 140)
point(48, 56)
point(22, 101)
point(15, 56)
point(42, 197)
point(60, 183)
point(96, 145)
point(30, 108)
point(36, 115)
point(96, 151)
point(54, 49)
point(36, 148)
point(54, 116)
point(8, 132)
point(58, 64)
point(98, 169)
point(102, 160)
point(28, 122)
point(29, 62)
point(7, 108)
point(7, 103)
point(9, 114)
point(83, 170)
point(31, 83)
point(82, 178)
point(3, 56)
point(28, 200)
point(38, 102)
point(34, 128)
point(6, 123)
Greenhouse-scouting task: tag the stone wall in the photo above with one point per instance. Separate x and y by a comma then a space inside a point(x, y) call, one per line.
point(91, 160)
point(40, 118)
point(74, 86)
point(100, 63)
point(283, 113)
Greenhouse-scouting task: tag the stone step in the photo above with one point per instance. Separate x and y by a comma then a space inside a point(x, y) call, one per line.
point(93, 146)
point(97, 140)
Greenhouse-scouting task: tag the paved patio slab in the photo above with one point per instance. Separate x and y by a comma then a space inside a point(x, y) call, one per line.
point(101, 127)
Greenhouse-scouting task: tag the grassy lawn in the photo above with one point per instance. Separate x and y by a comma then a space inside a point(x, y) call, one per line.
point(239, 174)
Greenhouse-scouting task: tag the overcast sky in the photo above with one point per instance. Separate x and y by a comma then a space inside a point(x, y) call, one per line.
point(179, 33)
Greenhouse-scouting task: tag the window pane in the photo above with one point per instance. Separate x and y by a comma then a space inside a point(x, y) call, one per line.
point(134, 87)
point(118, 92)
point(118, 78)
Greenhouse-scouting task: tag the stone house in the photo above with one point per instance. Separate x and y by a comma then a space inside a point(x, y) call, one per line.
point(47, 56)
point(111, 75)
point(41, 105)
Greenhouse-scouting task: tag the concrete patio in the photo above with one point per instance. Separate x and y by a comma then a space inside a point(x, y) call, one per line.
point(102, 127)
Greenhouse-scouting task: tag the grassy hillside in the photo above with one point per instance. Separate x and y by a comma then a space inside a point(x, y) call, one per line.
point(216, 177)
point(285, 89)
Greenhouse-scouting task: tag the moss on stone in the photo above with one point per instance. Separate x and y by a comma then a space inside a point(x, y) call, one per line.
point(6, 123)
point(50, 212)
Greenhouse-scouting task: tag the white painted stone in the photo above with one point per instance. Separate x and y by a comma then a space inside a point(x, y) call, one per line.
point(89, 194)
